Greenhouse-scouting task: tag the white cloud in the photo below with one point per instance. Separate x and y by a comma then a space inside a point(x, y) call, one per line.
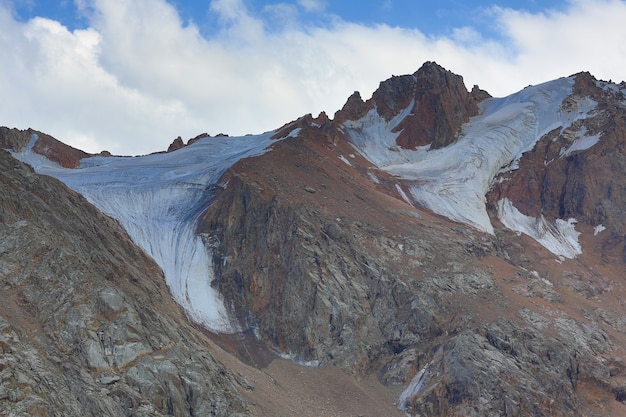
point(588, 36)
point(139, 76)
point(312, 5)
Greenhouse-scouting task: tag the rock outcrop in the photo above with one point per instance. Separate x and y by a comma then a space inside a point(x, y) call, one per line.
point(439, 102)
point(42, 144)
point(176, 144)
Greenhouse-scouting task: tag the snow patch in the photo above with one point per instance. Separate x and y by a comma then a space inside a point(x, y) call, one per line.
point(453, 181)
point(403, 194)
point(344, 159)
point(581, 144)
point(599, 228)
point(374, 138)
point(159, 200)
point(583, 106)
point(373, 177)
point(608, 87)
point(294, 133)
point(560, 238)
point(293, 358)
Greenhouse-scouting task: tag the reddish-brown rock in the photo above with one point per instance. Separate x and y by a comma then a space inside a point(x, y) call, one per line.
point(441, 104)
point(176, 145)
point(200, 136)
point(45, 144)
point(57, 151)
point(354, 109)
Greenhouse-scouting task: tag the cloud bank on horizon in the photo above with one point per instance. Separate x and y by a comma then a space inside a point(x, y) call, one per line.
point(138, 74)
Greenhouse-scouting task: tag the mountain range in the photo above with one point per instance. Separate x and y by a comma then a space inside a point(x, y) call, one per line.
point(429, 251)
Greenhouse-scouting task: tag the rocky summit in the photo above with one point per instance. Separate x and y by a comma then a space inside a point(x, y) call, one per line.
point(430, 251)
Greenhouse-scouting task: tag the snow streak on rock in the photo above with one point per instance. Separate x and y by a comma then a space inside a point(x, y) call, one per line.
point(582, 142)
point(159, 199)
point(414, 387)
point(560, 238)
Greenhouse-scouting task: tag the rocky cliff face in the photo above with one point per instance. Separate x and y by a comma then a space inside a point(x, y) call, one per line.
point(325, 262)
point(328, 268)
point(324, 268)
point(87, 326)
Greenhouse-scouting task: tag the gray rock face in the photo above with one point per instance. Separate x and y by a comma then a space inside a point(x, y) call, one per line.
point(525, 372)
point(14, 138)
point(335, 289)
point(489, 325)
point(87, 326)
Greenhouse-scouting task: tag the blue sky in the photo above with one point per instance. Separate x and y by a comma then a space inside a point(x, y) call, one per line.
point(434, 18)
point(131, 75)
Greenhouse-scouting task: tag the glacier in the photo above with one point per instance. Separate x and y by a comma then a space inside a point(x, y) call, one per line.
point(454, 180)
point(159, 200)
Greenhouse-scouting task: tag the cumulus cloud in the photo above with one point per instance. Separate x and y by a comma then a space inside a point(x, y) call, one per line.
point(139, 76)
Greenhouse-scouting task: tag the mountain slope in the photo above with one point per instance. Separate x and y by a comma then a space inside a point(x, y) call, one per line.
point(327, 262)
point(87, 326)
point(157, 199)
point(425, 236)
